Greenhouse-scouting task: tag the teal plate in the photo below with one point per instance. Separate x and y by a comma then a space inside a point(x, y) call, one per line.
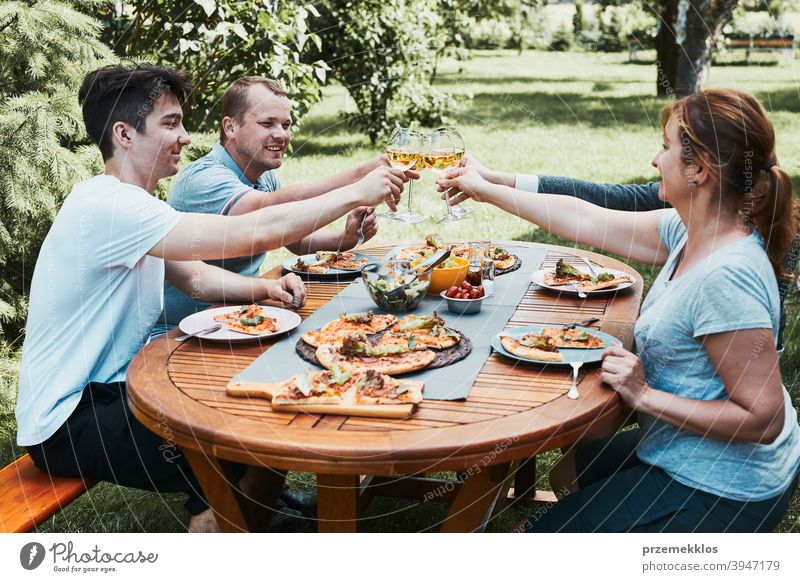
point(587, 356)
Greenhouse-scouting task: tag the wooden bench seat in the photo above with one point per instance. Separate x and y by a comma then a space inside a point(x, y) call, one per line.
point(785, 45)
point(29, 496)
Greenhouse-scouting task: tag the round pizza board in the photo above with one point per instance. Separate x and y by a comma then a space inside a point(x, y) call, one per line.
point(443, 357)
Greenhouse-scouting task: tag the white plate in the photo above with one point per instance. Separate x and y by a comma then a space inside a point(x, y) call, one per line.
point(538, 278)
point(287, 320)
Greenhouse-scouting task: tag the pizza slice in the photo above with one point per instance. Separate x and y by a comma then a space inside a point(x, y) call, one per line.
point(532, 346)
point(572, 338)
point(326, 387)
point(375, 388)
point(356, 354)
point(502, 258)
point(249, 319)
point(437, 338)
point(417, 322)
point(311, 267)
point(334, 331)
point(341, 261)
point(564, 274)
point(603, 281)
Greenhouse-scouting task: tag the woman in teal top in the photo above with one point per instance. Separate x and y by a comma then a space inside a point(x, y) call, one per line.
point(718, 443)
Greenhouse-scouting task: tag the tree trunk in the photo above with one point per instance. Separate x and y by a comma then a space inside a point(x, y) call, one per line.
point(689, 30)
point(666, 48)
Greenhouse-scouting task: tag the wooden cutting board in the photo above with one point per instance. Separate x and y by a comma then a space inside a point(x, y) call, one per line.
point(263, 390)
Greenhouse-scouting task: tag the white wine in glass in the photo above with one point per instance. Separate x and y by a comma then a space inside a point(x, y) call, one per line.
point(446, 149)
point(403, 150)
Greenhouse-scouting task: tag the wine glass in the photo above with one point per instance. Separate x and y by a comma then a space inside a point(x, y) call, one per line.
point(404, 149)
point(446, 148)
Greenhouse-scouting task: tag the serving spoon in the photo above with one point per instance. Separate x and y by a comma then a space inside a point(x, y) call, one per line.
point(400, 292)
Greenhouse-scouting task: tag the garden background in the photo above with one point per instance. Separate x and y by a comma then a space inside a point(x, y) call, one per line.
point(532, 86)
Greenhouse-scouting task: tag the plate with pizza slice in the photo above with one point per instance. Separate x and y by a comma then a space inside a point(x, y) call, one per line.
point(547, 344)
point(567, 277)
point(241, 323)
point(325, 264)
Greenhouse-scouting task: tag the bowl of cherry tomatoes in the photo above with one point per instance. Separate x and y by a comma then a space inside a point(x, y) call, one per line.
point(464, 299)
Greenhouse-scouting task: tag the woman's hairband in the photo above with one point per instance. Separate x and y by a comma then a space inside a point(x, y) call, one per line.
point(768, 165)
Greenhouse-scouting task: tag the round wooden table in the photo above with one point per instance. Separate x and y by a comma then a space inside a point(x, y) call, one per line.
point(514, 412)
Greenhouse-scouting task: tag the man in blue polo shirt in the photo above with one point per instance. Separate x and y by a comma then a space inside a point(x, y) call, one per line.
point(238, 177)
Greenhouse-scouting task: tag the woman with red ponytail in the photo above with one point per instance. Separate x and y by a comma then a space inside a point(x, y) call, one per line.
point(718, 443)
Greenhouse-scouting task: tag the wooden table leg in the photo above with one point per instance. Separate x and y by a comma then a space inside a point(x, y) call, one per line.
point(525, 479)
point(476, 499)
point(337, 503)
point(216, 484)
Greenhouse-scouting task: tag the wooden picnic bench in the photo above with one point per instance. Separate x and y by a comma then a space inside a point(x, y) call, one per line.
point(29, 496)
point(785, 45)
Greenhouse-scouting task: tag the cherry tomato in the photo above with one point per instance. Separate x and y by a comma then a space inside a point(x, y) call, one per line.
point(466, 286)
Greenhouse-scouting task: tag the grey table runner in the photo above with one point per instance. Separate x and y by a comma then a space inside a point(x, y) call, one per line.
point(449, 383)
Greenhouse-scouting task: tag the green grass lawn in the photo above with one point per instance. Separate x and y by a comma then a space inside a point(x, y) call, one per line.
point(592, 116)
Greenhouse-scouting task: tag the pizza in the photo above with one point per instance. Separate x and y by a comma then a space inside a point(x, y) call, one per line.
point(566, 274)
point(502, 258)
point(572, 338)
point(313, 267)
point(356, 354)
point(327, 260)
point(326, 387)
point(343, 261)
point(433, 243)
point(334, 331)
point(338, 386)
point(248, 319)
point(603, 281)
point(374, 388)
point(532, 346)
point(426, 331)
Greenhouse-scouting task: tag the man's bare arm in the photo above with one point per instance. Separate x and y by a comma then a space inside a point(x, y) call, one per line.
point(208, 236)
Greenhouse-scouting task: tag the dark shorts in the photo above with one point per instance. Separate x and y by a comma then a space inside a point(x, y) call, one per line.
point(102, 441)
point(619, 493)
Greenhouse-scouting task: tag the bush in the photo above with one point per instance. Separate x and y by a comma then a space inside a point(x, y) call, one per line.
point(46, 48)
point(489, 34)
point(380, 51)
point(758, 25)
point(612, 26)
point(561, 39)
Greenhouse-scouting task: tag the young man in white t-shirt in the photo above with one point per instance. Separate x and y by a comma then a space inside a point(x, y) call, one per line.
point(97, 287)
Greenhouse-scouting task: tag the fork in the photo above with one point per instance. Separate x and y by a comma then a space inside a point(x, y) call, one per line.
point(583, 323)
point(202, 332)
point(588, 263)
point(581, 294)
point(361, 236)
point(573, 393)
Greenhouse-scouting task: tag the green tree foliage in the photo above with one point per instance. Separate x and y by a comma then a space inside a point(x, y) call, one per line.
point(218, 41)
point(46, 48)
point(380, 51)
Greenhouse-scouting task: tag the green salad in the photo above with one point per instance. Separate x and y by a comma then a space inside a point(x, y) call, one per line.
point(412, 297)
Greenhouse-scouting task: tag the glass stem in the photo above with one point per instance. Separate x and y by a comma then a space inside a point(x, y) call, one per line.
point(410, 190)
point(449, 211)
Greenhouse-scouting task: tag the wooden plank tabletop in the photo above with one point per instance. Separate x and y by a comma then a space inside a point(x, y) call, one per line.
point(514, 410)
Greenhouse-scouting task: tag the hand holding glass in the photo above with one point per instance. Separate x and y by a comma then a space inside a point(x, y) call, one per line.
point(403, 150)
